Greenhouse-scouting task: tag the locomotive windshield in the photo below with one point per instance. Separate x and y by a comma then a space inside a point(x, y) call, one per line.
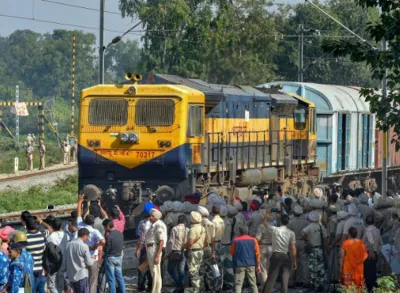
point(300, 118)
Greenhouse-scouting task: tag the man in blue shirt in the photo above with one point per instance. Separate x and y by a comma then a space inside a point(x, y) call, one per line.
point(18, 267)
point(4, 272)
point(26, 258)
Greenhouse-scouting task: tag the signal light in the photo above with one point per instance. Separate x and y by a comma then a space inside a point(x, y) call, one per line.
point(97, 143)
point(91, 143)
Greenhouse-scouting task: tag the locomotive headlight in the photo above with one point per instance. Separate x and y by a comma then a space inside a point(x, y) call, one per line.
point(124, 137)
point(133, 137)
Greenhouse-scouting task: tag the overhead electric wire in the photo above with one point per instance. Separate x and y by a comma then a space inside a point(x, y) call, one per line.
point(80, 7)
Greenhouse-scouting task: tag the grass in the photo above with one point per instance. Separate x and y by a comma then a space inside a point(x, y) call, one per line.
point(38, 197)
point(7, 148)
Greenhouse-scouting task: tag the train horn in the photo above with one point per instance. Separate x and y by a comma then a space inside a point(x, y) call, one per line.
point(133, 77)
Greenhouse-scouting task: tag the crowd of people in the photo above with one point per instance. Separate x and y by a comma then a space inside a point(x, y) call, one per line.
point(330, 238)
point(327, 240)
point(82, 256)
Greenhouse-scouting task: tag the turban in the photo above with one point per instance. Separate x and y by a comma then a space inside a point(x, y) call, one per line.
point(223, 212)
point(195, 217)
point(203, 211)
point(5, 232)
point(298, 210)
point(258, 199)
point(238, 205)
point(318, 192)
point(147, 207)
point(341, 215)
point(187, 207)
point(168, 205)
point(232, 210)
point(177, 206)
point(156, 213)
point(255, 205)
point(314, 216)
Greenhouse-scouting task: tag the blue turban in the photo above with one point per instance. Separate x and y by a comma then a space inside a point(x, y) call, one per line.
point(148, 206)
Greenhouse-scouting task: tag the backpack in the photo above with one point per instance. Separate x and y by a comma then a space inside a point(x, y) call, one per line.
point(52, 258)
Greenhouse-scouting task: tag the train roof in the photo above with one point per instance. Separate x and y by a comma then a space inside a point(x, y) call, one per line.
point(328, 98)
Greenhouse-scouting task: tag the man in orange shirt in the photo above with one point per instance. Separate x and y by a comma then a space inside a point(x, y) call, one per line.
point(246, 259)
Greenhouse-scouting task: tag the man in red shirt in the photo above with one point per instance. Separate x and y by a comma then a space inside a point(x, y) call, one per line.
point(118, 218)
point(246, 260)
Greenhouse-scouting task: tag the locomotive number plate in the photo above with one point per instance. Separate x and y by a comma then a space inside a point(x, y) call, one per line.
point(146, 155)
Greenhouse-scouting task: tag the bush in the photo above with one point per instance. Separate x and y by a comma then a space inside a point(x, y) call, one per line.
point(38, 197)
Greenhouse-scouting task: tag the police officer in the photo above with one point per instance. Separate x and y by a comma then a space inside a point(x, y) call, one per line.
point(264, 238)
point(42, 152)
point(316, 237)
point(219, 234)
point(194, 246)
point(255, 219)
point(155, 238)
point(227, 213)
point(301, 276)
point(29, 157)
point(66, 152)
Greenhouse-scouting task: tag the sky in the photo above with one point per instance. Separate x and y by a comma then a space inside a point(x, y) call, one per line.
point(49, 10)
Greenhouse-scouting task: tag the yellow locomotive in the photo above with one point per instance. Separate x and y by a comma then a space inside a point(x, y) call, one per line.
point(173, 136)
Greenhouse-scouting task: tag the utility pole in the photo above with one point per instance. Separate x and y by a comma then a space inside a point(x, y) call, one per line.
point(16, 113)
point(385, 140)
point(300, 52)
point(101, 45)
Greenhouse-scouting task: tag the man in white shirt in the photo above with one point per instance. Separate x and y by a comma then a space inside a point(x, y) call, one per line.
point(56, 281)
point(94, 241)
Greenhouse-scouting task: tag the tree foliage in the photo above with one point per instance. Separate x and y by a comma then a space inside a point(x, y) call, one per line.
point(385, 27)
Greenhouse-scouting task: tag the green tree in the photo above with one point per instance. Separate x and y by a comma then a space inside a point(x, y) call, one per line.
point(386, 27)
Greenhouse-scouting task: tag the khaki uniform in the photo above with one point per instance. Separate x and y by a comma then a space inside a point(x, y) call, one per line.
point(154, 235)
point(195, 255)
point(219, 234)
point(227, 271)
point(206, 273)
point(66, 150)
point(333, 260)
point(357, 223)
point(301, 275)
point(264, 237)
point(29, 158)
point(42, 152)
point(365, 210)
point(254, 221)
point(239, 221)
point(316, 263)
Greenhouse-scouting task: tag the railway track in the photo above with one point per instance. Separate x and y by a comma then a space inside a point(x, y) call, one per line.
point(27, 174)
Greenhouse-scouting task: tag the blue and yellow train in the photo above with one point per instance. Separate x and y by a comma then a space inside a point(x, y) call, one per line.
point(169, 136)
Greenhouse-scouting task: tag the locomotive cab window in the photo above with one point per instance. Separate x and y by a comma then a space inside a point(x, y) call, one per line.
point(300, 119)
point(195, 121)
point(108, 112)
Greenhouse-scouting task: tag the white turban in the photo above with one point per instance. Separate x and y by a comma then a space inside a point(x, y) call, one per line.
point(203, 211)
point(298, 210)
point(156, 213)
point(195, 217)
point(342, 215)
point(352, 210)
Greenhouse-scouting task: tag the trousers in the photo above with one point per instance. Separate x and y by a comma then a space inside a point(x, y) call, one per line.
point(266, 252)
point(146, 275)
point(82, 286)
point(227, 268)
point(370, 271)
point(55, 282)
point(155, 269)
point(278, 261)
point(42, 162)
point(114, 274)
point(195, 258)
point(243, 272)
point(93, 277)
point(177, 270)
point(317, 268)
point(208, 281)
point(302, 274)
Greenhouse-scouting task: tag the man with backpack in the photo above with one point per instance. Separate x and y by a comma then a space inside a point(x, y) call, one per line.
point(53, 263)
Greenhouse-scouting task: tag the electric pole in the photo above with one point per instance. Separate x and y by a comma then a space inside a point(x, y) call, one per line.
point(101, 45)
point(300, 51)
